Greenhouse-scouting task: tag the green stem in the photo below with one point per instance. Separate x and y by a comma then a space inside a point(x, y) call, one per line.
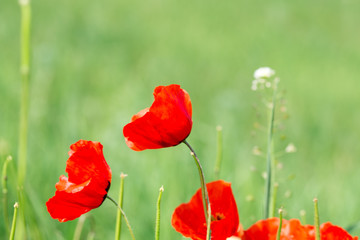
point(5, 192)
point(204, 191)
point(316, 220)
point(124, 215)
point(13, 226)
point(118, 215)
point(273, 199)
point(218, 152)
point(24, 108)
point(208, 224)
point(280, 224)
point(205, 195)
point(25, 75)
point(157, 222)
point(270, 159)
point(79, 227)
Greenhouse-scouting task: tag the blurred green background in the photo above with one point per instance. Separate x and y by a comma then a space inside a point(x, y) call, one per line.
point(96, 63)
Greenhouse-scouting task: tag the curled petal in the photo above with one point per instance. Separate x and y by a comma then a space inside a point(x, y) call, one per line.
point(166, 123)
point(87, 185)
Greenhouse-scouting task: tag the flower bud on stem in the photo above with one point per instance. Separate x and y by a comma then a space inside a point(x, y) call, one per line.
point(157, 222)
point(280, 224)
point(118, 215)
point(316, 219)
point(13, 226)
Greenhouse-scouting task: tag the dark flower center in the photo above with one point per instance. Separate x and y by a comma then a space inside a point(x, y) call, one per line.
point(217, 217)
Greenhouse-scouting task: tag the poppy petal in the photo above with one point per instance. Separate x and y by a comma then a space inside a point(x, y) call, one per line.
point(87, 185)
point(166, 123)
point(189, 218)
point(267, 229)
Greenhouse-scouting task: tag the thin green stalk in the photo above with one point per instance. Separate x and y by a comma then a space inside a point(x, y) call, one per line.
point(13, 226)
point(118, 215)
point(25, 75)
point(218, 152)
point(270, 159)
point(24, 109)
point(5, 192)
point(273, 199)
point(280, 225)
point(157, 222)
point(316, 220)
point(79, 227)
point(208, 224)
point(205, 195)
point(91, 235)
point(124, 215)
point(202, 178)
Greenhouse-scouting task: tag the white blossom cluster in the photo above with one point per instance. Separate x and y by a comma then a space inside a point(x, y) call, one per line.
point(261, 76)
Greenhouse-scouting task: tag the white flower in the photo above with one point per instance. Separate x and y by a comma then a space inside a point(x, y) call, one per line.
point(263, 72)
point(290, 148)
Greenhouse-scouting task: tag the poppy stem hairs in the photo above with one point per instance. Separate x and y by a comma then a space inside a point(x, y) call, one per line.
point(124, 215)
point(157, 220)
point(316, 220)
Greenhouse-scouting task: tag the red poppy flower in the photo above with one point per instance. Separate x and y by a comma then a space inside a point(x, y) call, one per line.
point(292, 229)
point(329, 232)
point(87, 185)
point(189, 218)
point(166, 123)
point(267, 230)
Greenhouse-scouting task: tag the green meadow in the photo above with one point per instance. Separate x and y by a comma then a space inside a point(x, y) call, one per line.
point(94, 64)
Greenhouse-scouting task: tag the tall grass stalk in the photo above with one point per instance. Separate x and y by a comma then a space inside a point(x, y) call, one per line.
point(5, 192)
point(24, 108)
point(13, 226)
point(118, 215)
point(25, 75)
point(270, 161)
point(157, 222)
